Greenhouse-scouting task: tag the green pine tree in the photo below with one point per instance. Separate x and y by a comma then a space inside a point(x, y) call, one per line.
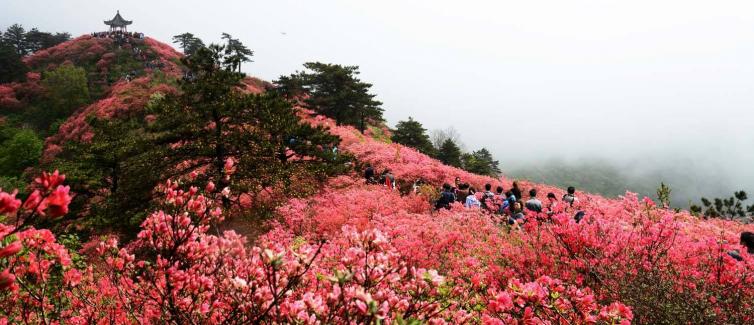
point(112, 174)
point(11, 67)
point(334, 91)
point(15, 36)
point(411, 133)
point(481, 162)
point(213, 120)
point(236, 52)
point(188, 43)
point(450, 153)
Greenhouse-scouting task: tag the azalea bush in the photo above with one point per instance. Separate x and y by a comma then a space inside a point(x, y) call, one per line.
point(180, 268)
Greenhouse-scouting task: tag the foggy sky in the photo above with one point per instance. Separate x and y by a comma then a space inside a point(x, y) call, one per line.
point(644, 82)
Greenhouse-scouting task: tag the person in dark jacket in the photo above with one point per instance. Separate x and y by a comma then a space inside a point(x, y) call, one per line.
point(747, 240)
point(446, 197)
point(462, 192)
point(369, 174)
point(516, 191)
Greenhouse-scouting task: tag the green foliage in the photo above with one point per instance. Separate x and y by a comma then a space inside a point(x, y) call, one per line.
point(729, 208)
point(235, 52)
point(481, 162)
point(24, 42)
point(36, 40)
point(450, 153)
point(67, 90)
point(411, 133)
point(11, 66)
point(663, 194)
point(188, 43)
point(8, 183)
point(15, 36)
point(111, 174)
point(20, 151)
point(261, 132)
point(334, 91)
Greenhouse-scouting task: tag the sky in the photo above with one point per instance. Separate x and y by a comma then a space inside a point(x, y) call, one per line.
point(646, 83)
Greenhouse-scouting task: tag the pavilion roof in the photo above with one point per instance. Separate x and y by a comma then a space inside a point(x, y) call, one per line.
point(118, 21)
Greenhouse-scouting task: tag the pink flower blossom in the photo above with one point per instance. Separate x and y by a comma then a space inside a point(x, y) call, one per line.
point(8, 202)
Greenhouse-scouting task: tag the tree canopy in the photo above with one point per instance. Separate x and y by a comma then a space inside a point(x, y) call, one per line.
point(24, 42)
point(188, 43)
point(481, 162)
point(450, 153)
point(334, 91)
point(235, 52)
point(411, 133)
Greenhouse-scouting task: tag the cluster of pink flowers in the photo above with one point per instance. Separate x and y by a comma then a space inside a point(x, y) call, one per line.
point(8, 98)
point(177, 269)
point(122, 98)
point(50, 199)
point(78, 50)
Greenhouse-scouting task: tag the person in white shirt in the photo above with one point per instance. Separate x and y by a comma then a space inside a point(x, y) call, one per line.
point(471, 200)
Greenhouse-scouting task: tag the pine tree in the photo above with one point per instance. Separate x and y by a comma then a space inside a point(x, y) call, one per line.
point(236, 52)
point(36, 40)
point(213, 120)
point(11, 66)
point(481, 162)
point(334, 91)
point(729, 208)
point(188, 43)
point(411, 133)
point(15, 36)
point(450, 153)
point(112, 174)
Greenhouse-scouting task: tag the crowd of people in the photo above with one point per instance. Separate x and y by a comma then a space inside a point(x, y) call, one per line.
point(386, 178)
point(120, 37)
point(510, 204)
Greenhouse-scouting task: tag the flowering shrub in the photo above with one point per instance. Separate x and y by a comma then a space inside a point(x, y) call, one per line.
point(8, 98)
point(124, 98)
point(177, 270)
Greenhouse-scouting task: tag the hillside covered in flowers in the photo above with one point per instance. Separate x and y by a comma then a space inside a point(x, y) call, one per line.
point(343, 250)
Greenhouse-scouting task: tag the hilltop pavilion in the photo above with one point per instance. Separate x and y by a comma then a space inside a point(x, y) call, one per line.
point(118, 23)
